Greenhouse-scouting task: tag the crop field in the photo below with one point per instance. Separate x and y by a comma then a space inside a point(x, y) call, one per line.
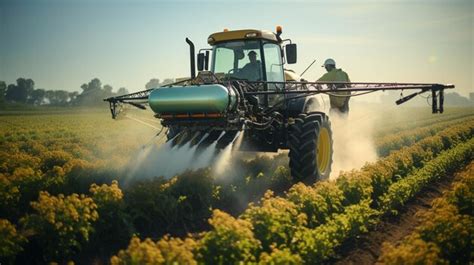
point(78, 186)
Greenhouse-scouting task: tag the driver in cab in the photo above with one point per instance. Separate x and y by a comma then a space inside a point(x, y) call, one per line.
point(252, 70)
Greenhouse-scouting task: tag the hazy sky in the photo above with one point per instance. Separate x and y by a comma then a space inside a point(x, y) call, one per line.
point(63, 44)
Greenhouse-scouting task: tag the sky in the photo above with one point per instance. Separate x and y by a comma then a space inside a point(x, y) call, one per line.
point(63, 44)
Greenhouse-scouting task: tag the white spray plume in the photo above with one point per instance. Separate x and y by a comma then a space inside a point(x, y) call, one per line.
point(353, 142)
point(224, 160)
point(168, 161)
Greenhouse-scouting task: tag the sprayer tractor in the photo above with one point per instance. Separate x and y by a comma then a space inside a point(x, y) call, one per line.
point(257, 99)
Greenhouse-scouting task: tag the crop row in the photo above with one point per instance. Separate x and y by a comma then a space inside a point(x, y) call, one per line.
point(374, 179)
point(58, 159)
point(446, 232)
point(358, 218)
point(396, 141)
point(407, 121)
point(253, 186)
point(311, 221)
point(32, 166)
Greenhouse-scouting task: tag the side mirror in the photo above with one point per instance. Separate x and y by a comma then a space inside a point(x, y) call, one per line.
point(206, 63)
point(290, 50)
point(201, 58)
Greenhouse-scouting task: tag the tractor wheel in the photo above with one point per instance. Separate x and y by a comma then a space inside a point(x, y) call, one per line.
point(310, 143)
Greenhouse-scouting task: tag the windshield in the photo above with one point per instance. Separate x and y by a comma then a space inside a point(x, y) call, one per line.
point(238, 59)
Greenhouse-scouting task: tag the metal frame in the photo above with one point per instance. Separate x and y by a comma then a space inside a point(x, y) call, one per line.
point(305, 89)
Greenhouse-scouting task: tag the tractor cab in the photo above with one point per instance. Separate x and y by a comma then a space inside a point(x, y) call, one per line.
point(250, 55)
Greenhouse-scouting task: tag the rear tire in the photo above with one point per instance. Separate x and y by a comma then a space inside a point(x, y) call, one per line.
point(311, 147)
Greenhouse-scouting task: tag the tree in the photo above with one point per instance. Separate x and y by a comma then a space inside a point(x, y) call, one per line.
point(50, 97)
point(20, 92)
point(107, 91)
point(57, 97)
point(84, 87)
point(73, 96)
point(3, 91)
point(122, 91)
point(25, 87)
point(12, 93)
point(455, 99)
point(37, 96)
point(153, 83)
point(92, 93)
point(62, 97)
point(95, 84)
point(167, 81)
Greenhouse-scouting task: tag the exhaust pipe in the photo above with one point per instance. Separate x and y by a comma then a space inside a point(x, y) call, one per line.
point(191, 53)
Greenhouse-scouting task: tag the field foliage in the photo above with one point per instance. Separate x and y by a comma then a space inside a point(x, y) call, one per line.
point(66, 193)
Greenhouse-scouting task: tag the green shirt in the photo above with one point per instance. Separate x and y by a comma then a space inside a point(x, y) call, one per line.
point(335, 75)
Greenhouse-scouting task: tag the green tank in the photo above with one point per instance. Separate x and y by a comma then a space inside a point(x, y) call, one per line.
point(213, 98)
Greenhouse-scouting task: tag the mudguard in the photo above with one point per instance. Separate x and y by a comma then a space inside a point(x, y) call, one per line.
point(304, 105)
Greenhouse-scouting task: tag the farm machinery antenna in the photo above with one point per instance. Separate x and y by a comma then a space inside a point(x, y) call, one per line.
point(273, 107)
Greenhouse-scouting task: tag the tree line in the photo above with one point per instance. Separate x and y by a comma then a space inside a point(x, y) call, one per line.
point(24, 92)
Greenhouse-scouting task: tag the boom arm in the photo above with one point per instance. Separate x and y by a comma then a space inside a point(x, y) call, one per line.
point(362, 87)
point(136, 99)
point(304, 89)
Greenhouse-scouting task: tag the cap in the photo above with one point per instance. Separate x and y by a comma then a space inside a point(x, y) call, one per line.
point(329, 62)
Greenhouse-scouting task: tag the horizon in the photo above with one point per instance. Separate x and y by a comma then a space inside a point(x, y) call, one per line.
point(61, 45)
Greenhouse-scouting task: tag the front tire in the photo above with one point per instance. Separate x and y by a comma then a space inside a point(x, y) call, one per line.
point(311, 147)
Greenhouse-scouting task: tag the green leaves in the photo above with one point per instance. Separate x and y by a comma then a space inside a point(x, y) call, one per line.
point(309, 202)
point(319, 244)
point(46, 156)
point(165, 251)
point(230, 241)
point(400, 192)
point(11, 241)
point(275, 220)
point(445, 232)
point(61, 223)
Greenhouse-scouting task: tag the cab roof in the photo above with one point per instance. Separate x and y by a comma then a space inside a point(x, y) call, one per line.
point(243, 34)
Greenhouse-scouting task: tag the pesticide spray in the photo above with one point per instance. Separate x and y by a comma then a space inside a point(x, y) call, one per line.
point(353, 142)
point(224, 160)
point(352, 135)
point(168, 161)
point(352, 145)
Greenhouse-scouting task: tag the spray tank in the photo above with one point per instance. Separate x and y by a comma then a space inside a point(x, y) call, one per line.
point(193, 100)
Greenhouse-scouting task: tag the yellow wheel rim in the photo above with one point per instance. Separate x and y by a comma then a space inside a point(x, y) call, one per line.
point(324, 150)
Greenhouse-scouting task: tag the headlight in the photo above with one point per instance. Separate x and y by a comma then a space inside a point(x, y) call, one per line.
point(251, 35)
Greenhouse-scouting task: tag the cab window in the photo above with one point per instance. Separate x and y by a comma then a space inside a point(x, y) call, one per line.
point(273, 62)
point(273, 69)
point(233, 59)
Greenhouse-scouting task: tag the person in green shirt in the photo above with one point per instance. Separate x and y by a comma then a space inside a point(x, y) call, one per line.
point(339, 100)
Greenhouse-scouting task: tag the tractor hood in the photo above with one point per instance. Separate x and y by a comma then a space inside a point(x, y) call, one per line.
point(213, 98)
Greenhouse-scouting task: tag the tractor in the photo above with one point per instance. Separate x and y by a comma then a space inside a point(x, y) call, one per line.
point(243, 88)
